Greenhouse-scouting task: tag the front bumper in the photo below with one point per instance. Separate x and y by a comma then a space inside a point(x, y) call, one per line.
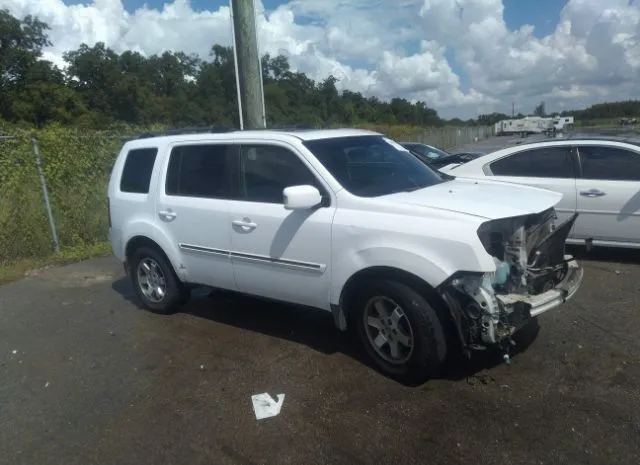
point(483, 318)
point(541, 303)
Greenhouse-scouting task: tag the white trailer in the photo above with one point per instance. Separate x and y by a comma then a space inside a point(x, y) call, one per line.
point(559, 124)
point(563, 122)
point(509, 126)
point(533, 125)
point(522, 126)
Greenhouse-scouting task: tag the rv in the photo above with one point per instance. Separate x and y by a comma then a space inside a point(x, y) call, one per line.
point(522, 126)
point(559, 124)
point(533, 125)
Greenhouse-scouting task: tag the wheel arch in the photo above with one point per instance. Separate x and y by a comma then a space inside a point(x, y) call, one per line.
point(138, 241)
point(360, 278)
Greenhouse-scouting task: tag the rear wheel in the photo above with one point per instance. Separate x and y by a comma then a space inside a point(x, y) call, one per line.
point(156, 283)
point(400, 331)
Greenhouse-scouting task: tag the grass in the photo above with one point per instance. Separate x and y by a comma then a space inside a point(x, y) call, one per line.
point(16, 270)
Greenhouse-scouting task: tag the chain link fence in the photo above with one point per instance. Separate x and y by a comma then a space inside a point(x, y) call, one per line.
point(446, 138)
point(453, 138)
point(53, 186)
point(53, 191)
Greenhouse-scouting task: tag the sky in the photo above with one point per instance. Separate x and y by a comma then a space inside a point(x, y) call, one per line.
point(461, 57)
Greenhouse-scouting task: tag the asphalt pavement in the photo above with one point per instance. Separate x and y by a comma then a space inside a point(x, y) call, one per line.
point(90, 378)
point(87, 377)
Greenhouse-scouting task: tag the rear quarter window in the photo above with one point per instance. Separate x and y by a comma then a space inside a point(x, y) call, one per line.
point(136, 174)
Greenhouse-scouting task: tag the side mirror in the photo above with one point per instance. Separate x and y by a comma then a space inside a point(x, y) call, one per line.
point(301, 197)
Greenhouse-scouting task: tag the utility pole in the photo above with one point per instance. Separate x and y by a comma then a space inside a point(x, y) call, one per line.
point(248, 64)
point(513, 110)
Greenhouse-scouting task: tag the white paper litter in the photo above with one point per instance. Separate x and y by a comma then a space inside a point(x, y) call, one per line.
point(265, 407)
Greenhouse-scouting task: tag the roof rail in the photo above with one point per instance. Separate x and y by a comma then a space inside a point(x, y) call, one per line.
point(573, 136)
point(187, 130)
point(296, 127)
point(219, 129)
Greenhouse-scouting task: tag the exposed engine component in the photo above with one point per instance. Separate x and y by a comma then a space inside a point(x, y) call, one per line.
point(531, 247)
point(529, 255)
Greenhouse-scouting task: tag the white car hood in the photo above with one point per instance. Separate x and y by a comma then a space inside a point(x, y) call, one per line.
point(487, 199)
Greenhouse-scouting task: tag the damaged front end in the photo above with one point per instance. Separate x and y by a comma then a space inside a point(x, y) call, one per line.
point(533, 275)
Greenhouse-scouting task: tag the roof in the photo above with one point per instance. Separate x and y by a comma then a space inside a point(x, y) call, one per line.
point(231, 134)
point(493, 155)
point(311, 134)
point(577, 139)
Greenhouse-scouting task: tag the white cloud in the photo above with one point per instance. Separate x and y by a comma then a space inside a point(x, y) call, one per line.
point(592, 52)
point(393, 48)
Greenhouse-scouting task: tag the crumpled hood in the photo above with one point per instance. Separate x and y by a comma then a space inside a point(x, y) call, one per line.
point(483, 198)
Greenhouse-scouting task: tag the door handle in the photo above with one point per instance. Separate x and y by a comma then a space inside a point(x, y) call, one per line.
point(592, 193)
point(244, 224)
point(168, 214)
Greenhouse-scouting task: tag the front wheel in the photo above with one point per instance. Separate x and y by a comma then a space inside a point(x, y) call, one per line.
point(155, 282)
point(400, 331)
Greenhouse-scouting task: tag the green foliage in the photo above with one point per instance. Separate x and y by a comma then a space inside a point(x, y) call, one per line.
point(607, 114)
point(101, 88)
point(76, 165)
point(491, 119)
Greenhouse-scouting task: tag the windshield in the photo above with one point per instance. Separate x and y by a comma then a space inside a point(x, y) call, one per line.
point(370, 166)
point(426, 150)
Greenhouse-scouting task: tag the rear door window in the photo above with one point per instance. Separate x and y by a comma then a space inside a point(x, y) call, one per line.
point(609, 163)
point(201, 170)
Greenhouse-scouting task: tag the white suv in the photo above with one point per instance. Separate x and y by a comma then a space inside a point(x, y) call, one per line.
point(415, 261)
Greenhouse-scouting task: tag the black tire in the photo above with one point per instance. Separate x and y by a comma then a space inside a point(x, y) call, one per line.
point(176, 294)
point(429, 340)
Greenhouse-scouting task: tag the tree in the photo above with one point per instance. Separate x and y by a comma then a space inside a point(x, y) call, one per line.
point(540, 110)
point(22, 77)
point(491, 119)
point(101, 87)
point(21, 44)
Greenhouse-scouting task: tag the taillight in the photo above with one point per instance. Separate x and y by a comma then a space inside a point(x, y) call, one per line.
point(109, 210)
